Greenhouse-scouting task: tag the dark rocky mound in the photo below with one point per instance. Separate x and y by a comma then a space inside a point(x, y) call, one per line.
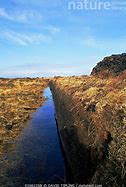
point(110, 66)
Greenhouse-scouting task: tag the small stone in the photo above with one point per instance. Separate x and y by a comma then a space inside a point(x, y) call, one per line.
point(91, 107)
point(9, 126)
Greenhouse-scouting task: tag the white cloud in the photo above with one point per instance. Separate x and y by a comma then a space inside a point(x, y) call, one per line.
point(41, 70)
point(53, 30)
point(90, 42)
point(50, 29)
point(43, 3)
point(104, 44)
point(25, 39)
point(23, 16)
point(4, 14)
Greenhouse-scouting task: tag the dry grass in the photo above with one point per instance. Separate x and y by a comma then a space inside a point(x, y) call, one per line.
point(18, 99)
point(103, 102)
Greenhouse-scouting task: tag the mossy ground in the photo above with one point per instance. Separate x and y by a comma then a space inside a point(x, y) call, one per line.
point(18, 99)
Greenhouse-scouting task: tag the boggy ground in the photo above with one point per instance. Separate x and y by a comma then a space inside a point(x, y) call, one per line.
point(92, 111)
point(18, 99)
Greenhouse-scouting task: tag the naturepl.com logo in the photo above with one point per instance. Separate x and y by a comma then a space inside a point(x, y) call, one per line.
point(96, 5)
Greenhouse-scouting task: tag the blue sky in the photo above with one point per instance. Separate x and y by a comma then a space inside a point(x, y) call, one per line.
point(45, 38)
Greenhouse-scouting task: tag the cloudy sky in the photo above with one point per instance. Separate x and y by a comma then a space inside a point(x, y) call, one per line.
point(45, 38)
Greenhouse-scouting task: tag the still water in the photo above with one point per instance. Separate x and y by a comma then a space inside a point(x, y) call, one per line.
point(37, 158)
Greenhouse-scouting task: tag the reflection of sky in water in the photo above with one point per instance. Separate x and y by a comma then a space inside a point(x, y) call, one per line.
point(37, 158)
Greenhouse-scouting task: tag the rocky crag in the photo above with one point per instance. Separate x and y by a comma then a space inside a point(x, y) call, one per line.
point(91, 116)
point(110, 66)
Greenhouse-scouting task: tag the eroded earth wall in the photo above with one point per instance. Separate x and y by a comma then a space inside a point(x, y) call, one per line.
point(91, 117)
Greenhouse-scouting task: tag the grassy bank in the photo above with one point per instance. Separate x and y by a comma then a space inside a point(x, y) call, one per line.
point(91, 112)
point(19, 98)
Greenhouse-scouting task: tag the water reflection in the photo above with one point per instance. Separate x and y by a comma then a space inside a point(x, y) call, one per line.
point(37, 157)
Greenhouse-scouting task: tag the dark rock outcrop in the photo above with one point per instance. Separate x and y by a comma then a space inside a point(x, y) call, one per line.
point(110, 66)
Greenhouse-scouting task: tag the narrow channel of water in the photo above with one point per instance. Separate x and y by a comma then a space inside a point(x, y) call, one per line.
point(38, 157)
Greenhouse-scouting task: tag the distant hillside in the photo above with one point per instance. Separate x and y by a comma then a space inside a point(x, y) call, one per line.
point(110, 66)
